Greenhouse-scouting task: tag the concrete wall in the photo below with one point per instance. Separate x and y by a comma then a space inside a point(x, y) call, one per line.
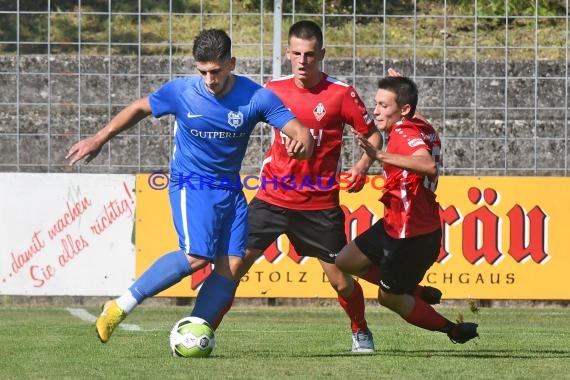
point(495, 118)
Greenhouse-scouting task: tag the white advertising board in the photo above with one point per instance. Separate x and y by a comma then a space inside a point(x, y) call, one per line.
point(66, 234)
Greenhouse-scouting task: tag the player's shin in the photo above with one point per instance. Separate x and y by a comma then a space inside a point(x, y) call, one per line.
point(215, 295)
point(426, 317)
point(166, 271)
point(216, 322)
point(354, 307)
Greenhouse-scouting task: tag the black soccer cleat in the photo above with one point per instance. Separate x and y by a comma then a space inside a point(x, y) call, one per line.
point(463, 332)
point(431, 295)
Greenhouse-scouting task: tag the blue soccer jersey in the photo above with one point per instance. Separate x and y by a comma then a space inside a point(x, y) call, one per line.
point(211, 134)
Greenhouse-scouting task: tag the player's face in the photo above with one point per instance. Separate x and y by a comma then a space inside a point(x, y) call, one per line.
point(217, 75)
point(305, 56)
point(386, 111)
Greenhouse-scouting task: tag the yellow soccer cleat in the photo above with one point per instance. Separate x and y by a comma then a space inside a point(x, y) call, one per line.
point(109, 319)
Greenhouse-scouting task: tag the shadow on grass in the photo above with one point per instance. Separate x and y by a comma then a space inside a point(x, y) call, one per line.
point(481, 354)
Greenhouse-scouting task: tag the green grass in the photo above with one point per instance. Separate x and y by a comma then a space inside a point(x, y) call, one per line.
point(437, 28)
point(298, 342)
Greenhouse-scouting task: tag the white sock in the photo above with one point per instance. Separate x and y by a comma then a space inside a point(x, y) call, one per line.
point(127, 302)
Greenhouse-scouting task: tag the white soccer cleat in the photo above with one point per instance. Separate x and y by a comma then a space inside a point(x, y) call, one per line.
point(362, 342)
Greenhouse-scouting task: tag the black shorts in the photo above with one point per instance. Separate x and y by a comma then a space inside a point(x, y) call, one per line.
point(403, 262)
point(315, 233)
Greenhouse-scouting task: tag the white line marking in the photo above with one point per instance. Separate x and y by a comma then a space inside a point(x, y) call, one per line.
point(86, 316)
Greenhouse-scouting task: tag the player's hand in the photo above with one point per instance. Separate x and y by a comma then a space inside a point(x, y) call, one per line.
point(394, 73)
point(370, 150)
point(296, 149)
point(357, 180)
point(88, 148)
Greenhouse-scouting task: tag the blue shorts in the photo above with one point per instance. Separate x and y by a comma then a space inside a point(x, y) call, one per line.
point(210, 222)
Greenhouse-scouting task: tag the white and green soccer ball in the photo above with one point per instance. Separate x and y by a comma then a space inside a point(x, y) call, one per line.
point(192, 337)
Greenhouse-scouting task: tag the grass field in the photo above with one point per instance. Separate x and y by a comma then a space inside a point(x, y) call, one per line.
point(284, 342)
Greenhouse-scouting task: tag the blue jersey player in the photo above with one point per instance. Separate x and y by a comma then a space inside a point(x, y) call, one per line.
point(215, 113)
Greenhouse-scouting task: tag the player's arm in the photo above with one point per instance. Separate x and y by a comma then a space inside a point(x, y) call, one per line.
point(360, 168)
point(300, 142)
point(89, 148)
point(420, 161)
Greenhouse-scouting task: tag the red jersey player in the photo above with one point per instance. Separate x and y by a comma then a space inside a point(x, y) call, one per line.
point(302, 201)
point(406, 242)
point(305, 203)
point(325, 108)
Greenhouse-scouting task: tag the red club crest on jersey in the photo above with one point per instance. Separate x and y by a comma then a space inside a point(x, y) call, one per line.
point(319, 111)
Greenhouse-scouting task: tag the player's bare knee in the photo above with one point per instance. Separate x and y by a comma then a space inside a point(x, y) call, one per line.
point(345, 290)
point(345, 260)
point(343, 285)
point(251, 255)
point(386, 299)
point(341, 262)
point(197, 262)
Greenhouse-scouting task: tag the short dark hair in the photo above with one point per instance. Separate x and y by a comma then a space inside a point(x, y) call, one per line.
point(212, 45)
point(405, 89)
point(307, 30)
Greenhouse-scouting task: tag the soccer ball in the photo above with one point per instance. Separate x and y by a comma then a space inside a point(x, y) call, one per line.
point(192, 337)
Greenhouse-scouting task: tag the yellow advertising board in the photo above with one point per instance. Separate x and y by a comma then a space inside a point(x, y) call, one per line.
point(503, 238)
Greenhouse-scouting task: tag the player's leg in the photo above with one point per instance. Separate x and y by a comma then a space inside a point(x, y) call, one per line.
point(351, 298)
point(404, 263)
point(419, 313)
point(251, 255)
point(353, 261)
point(373, 273)
point(218, 289)
point(321, 234)
point(166, 271)
point(265, 223)
point(429, 294)
point(172, 267)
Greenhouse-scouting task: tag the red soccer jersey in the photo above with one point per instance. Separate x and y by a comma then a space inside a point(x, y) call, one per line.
point(324, 109)
point(410, 208)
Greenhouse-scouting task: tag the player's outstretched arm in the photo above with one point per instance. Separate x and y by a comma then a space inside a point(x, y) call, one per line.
point(300, 143)
point(420, 162)
point(360, 168)
point(90, 147)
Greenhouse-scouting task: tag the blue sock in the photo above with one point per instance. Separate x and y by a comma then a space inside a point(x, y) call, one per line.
point(214, 296)
point(166, 271)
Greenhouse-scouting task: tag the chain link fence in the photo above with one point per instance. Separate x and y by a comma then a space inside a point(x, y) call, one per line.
point(494, 85)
